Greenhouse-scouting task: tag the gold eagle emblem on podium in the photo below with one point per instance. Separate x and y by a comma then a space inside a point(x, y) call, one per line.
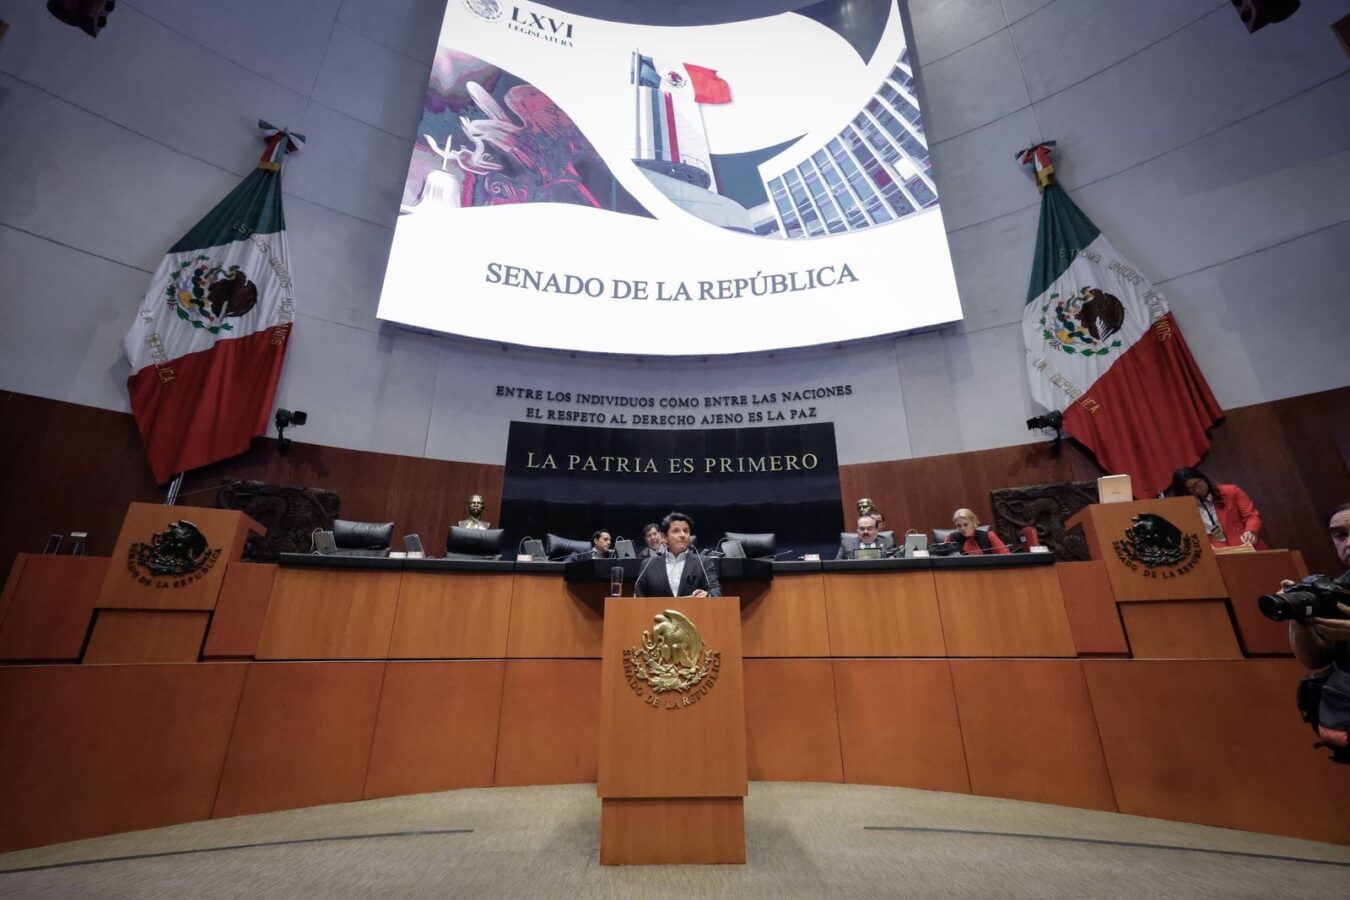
point(671, 657)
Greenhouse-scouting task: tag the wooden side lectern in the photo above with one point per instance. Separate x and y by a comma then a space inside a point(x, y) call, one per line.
point(672, 732)
point(173, 557)
point(1153, 549)
point(162, 582)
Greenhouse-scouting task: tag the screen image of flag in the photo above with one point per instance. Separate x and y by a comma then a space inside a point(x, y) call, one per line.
point(669, 124)
point(208, 342)
point(1103, 347)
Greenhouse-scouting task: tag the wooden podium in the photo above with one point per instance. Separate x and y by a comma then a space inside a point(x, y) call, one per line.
point(672, 761)
point(1164, 576)
point(132, 585)
point(163, 580)
point(1114, 537)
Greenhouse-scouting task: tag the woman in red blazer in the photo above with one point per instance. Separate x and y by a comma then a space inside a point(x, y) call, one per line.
point(1227, 512)
point(973, 541)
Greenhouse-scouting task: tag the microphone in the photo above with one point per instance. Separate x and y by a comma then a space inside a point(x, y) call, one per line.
point(699, 556)
point(638, 581)
point(960, 542)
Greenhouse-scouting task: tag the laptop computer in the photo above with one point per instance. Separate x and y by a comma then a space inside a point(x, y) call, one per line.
point(733, 550)
point(413, 544)
point(623, 549)
point(915, 542)
point(534, 548)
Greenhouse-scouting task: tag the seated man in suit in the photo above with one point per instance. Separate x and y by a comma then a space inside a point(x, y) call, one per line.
point(651, 534)
point(679, 570)
point(600, 542)
point(868, 539)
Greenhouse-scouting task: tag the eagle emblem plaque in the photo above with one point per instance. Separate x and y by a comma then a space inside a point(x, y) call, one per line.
point(671, 660)
point(1161, 548)
point(176, 557)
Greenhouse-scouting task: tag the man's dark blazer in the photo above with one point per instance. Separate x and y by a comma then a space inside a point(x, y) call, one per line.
point(587, 554)
point(654, 583)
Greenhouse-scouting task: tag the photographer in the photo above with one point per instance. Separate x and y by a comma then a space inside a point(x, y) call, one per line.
point(1320, 642)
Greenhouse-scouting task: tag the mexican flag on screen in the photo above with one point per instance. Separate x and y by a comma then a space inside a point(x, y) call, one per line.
point(704, 84)
point(207, 344)
point(1103, 348)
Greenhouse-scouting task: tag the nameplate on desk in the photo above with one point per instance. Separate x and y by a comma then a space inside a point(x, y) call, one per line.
point(811, 557)
point(1040, 549)
point(397, 554)
point(413, 554)
point(918, 554)
point(524, 557)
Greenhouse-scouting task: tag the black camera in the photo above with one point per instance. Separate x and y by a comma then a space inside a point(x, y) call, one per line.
point(1053, 419)
point(1314, 597)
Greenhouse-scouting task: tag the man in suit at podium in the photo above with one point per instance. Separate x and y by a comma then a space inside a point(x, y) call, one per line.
point(679, 570)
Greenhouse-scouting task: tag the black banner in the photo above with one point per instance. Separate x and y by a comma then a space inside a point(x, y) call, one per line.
point(572, 481)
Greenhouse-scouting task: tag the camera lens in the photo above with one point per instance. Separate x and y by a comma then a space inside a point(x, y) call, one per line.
point(1276, 608)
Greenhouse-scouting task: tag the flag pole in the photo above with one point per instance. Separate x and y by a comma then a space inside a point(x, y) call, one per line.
point(172, 496)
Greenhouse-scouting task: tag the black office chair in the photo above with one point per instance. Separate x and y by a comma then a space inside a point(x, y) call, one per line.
point(556, 547)
point(474, 543)
point(753, 546)
point(362, 538)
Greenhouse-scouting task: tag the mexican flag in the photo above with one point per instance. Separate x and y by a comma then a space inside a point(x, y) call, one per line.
point(1103, 348)
point(705, 85)
point(207, 344)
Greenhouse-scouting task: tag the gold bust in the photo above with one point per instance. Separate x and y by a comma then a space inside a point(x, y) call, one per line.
point(867, 508)
point(475, 514)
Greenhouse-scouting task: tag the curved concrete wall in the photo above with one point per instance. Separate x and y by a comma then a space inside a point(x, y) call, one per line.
point(1218, 161)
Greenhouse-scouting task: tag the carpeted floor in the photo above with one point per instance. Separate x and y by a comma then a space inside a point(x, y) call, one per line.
point(804, 840)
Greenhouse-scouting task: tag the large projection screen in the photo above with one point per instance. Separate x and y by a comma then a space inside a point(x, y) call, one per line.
point(605, 187)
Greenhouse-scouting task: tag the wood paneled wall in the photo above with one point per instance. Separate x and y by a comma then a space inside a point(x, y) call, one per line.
point(69, 467)
point(76, 468)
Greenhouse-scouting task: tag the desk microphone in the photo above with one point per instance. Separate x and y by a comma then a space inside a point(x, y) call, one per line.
point(637, 581)
point(707, 582)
